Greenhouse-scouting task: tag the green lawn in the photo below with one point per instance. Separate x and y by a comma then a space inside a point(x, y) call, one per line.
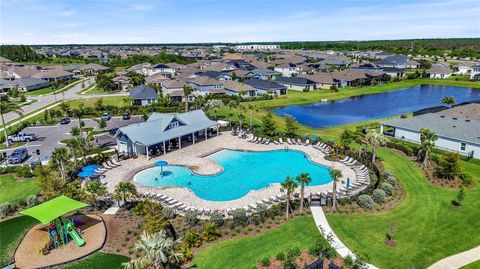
point(110, 100)
point(12, 189)
point(12, 231)
point(428, 228)
point(49, 90)
point(246, 252)
point(475, 265)
point(98, 260)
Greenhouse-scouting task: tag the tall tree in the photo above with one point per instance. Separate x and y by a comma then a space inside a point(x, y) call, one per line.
point(241, 116)
point(288, 186)
point(448, 100)
point(74, 146)
point(187, 90)
point(303, 179)
point(92, 191)
point(291, 126)
point(375, 140)
point(269, 128)
point(6, 107)
point(251, 108)
point(60, 157)
point(125, 191)
point(427, 143)
point(159, 252)
point(335, 174)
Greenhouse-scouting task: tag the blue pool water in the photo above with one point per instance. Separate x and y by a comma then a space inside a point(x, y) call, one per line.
point(243, 172)
point(375, 106)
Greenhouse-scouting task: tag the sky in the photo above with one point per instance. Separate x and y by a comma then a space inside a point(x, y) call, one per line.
point(191, 21)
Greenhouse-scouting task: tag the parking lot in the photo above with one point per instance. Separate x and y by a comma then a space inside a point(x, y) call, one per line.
point(49, 137)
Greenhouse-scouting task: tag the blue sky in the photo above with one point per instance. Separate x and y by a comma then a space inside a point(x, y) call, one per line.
point(186, 21)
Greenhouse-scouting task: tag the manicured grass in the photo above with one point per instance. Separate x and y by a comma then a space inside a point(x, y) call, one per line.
point(12, 231)
point(111, 100)
point(428, 228)
point(475, 265)
point(49, 90)
point(246, 252)
point(12, 189)
point(98, 260)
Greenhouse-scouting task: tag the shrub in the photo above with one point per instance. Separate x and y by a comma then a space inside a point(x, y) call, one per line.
point(391, 180)
point(402, 147)
point(5, 209)
point(23, 171)
point(211, 232)
point(322, 248)
point(168, 213)
point(378, 196)
point(193, 238)
point(265, 261)
point(187, 252)
point(217, 218)
point(240, 216)
point(262, 210)
point(280, 256)
point(387, 188)
point(365, 202)
point(31, 200)
point(192, 218)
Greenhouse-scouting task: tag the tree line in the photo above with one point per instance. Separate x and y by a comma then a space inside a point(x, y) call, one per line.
point(19, 53)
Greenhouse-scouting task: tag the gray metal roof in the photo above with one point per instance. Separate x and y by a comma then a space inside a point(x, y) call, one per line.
point(155, 130)
point(455, 128)
point(143, 92)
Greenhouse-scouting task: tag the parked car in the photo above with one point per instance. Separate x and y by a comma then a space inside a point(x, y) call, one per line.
point(65, 121)
point(106, 116)
point(18, 156)
point(126, 116)
point(22, 137)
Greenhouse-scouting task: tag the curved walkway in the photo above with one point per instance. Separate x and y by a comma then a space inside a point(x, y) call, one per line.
point(326, 230)
point(458, 260)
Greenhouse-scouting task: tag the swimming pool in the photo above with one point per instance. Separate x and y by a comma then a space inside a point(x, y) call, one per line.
point(242, 172)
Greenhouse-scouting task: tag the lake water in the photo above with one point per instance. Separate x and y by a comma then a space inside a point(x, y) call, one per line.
point(375, 106)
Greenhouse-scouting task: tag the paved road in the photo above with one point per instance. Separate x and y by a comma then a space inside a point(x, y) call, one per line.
point(45, 100)
point(49, 137)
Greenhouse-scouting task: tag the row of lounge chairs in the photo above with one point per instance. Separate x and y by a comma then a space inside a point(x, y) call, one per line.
point(109, 164)
point(322, 147)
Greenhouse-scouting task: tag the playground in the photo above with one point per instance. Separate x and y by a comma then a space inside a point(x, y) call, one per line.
point(61, 237)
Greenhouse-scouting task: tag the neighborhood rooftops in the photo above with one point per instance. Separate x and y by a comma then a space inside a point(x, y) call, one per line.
point(301, 81)
point(143, 92)
point(264, 84)
point(234, 86)
point(158, 129)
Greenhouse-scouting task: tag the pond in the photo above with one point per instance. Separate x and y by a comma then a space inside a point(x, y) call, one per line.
point(375, 106)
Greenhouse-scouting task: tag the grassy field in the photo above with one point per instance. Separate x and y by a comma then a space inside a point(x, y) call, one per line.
point(246, 252)
point(98, 260)
point(12, 189)
point(111, 100)
point(475, 265)
point(49, 90)
point(12, 231)
point(428, 227)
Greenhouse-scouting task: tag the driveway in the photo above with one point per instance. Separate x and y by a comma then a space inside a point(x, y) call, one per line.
point(49, 137)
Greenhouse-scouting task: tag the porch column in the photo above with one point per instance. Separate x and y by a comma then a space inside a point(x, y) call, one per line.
point(381, 129)
point(146, 149)
point(193, 137)
point(164, 148)
point(218, 129)
point(206, 136)
point(179, 142)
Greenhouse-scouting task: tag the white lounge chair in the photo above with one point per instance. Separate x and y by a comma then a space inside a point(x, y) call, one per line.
point(280, 140)
point(289, 141)
point(307, 142)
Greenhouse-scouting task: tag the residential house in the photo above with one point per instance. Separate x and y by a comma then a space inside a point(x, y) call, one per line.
point(262, 74)
point(29, 84)
point(439, 72)
point(222, 76)
point(463, 68)
point(156, 79)
point(287, 70)
point(232, 56)
point(143, 95)
point(122, 83)
point(54, 75)
point(93, 69)
point(267, 87)
point(240, 64)
point(207, 85)
point(20, 72)
point(394, 72)
point(412, 64)
point(475, 72)
point(161, 69)
point(236, 88)
point(323, 80)
point(174, 89)
point(141, 68)
point(296, 83)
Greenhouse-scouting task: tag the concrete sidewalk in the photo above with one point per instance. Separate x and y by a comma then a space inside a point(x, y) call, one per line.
point(458, 260)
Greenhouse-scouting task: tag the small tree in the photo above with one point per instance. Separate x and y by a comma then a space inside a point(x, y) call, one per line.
point(291, 126)
point(336, 175)
point(427, 142)
point(269, 128)
point(391, 233)
point(303, 179)
point(289, 187)
point(460, 196)
point(125, 191)
point(374, 140)
point(449, 167)
point(449, 101)
point(211, 232)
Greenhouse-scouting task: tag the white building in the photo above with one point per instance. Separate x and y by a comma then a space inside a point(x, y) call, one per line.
point(287, 70)
point(257, 47)
point(475, 70)
point(439, 72)
point(454, 134)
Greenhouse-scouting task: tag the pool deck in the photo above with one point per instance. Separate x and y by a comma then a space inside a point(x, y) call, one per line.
point(193, 157)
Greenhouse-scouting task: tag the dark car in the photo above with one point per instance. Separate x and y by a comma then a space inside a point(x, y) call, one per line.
point(18, 156)
point(106, 116)
point(125, 116)
point(65, 121)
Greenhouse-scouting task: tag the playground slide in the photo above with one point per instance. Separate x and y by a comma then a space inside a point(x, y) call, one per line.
point(71, 231)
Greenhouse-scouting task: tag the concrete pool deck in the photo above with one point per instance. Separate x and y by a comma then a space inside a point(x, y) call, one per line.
point(193, 158)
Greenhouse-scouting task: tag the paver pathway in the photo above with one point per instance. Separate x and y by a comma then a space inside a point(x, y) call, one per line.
point(112, 210)
point(458, 260)
point(326, 230)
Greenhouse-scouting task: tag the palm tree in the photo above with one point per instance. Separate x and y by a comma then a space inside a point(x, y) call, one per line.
point(74, 146)
point(448, 100)
point(427, 142)
point(187, 90)
point(60, 157)
point(375, 140)
point(93, 190)
point(303, 179)
point(65, 107)
point(159, 252)
point(125, 191)
point(79, 113)
point(335, 174)
point(251, 108)
point(289, 187)
point(241, 116)
point(6, 107)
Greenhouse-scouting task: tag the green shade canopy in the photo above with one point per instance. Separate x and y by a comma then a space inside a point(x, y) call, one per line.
point(52, 209)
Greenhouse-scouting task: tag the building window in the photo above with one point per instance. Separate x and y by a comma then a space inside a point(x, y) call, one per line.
point(173, 124)
point(462, 146)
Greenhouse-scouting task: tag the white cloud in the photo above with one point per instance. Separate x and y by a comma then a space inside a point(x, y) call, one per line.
point(142, 7)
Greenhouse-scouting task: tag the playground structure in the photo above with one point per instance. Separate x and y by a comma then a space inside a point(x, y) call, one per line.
point(60, 231)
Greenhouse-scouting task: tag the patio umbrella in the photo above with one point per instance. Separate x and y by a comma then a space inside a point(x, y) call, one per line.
point(86, 174)
point(348, 182)
point(91, 167)
point(161, 164)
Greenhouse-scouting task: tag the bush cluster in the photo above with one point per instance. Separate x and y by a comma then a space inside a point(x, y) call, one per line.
point(391, 180)
point(387, 188)
point(5, 209)
point(378, 196)
point(365, 202)
point(402, 147)
point(217, 218)
point(168, 213)
point(240, 216)
point(191, 218)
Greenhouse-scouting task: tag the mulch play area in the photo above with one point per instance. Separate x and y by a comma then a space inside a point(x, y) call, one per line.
point(28, 254)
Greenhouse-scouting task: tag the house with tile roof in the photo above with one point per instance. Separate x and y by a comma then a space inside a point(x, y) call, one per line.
point(296, 83)
point(239, 89)
point(439, 72)
point(267, 87)
point(93, 69)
